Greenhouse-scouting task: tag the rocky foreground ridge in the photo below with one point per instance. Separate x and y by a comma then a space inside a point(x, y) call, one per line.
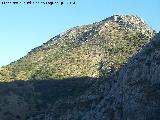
point(108, 70)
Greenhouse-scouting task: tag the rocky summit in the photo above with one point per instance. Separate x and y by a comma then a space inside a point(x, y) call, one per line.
point(108, 70)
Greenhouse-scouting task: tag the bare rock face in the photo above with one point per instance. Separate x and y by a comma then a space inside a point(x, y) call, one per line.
point(142, 84)
point(132, 93)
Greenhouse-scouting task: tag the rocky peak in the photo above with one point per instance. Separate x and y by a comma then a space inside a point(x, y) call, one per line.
point(131, 22)
point(110, 24)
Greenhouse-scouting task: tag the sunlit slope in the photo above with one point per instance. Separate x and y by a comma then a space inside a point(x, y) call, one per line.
point(81, 50)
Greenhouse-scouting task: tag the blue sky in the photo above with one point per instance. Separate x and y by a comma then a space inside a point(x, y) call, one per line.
point(23, 27)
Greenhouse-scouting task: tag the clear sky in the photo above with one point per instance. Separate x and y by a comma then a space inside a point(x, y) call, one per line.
point(23, 27)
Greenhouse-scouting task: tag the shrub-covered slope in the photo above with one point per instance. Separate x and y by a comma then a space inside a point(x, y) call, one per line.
point(80, 51)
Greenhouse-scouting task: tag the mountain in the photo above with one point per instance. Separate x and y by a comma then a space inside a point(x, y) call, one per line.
point(79, 51)
point(108, 70)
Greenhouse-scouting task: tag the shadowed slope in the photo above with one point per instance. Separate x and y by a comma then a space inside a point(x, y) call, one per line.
point(21, 99)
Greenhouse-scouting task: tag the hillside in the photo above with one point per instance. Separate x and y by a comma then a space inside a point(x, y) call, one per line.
point(108, 70)
point(79, 51)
